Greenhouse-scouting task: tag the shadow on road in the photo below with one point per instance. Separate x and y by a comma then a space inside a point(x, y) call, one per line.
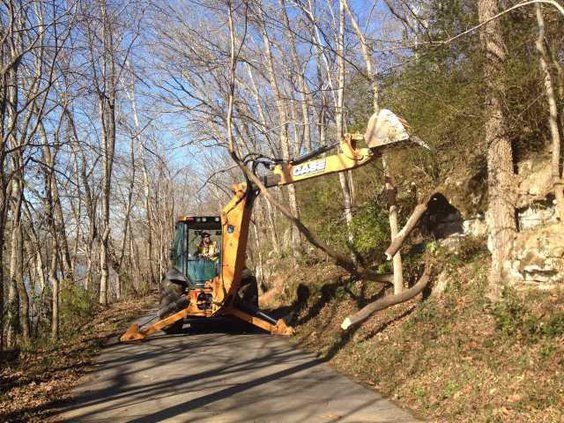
point(233, 374)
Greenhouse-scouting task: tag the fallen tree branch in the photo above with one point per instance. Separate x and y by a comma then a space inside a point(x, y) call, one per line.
point(388, 301)
point(339, 259)
point(411, 223)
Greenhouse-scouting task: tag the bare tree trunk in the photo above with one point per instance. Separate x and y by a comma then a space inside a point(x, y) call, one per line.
point(127, 216)
point(370, 74)
point(87, 197)
point(53, 253)
point(35, 267)
point(19, 302)
point(146, 188)
point(270, 219)
point(259, 269)
point(501, 181)
point(283, 119)
point(39, 266)
point(301, 79)
point(339, 118)
point(13, 315)
point(92, 226)
point(54, 280)
point(262, 118)
point(3, 207)
point(18, 299)
point(109, 144)
point(4, 57)
point(34, 251)
point(553, 115)
point(391, 191)
point(22, 291)
point(150, 223)
point(411, 223)
point(107, 103)
point(76, 210)
point(14, 192)
point(388, 301)
point(137, 276)
point(58, 219)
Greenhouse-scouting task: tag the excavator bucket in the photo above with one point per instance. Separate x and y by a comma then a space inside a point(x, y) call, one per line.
point(132, 334)
point(385, 129)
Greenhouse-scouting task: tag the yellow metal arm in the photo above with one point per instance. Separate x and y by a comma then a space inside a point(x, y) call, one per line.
point(384, 129)
point(349, 158)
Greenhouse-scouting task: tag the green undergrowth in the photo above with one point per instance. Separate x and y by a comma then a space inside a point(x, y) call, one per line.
point(453, 356)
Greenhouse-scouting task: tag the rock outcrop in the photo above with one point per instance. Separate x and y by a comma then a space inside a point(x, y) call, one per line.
point(539, 256)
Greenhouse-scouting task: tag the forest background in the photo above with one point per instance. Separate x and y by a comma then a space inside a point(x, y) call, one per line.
point(116, 118)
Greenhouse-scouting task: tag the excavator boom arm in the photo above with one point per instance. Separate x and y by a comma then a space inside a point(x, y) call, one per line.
point(349, 158)
point(384, 130)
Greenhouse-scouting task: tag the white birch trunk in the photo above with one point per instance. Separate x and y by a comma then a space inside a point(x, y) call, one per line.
point(553, 115)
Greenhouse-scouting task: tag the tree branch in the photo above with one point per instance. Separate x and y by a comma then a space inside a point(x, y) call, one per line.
point(388, 301)
point(411, 223)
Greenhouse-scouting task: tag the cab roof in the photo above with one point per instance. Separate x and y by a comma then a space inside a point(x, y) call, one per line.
point(201, 222)
point(199, 219)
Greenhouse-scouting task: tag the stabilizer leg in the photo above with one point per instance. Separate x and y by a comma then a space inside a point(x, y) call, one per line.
point(265, 322)
point(134, 334)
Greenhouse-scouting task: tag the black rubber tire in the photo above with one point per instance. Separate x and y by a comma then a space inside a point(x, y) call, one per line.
point(248, 292)
point(169, 293)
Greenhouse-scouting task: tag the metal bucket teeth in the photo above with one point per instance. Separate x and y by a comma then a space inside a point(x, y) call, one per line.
point(132, 334)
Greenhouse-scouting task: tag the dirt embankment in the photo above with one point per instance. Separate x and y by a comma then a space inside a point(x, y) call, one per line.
point(35, 381)
point(453, 357)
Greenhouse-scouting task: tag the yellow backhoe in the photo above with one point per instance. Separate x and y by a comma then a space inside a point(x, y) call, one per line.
point(208, 277)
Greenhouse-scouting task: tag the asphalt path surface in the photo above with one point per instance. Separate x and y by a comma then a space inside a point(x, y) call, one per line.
point(220, 373)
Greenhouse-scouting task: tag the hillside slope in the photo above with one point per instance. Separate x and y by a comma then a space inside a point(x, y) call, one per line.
point(35, 381)
point(452, 357)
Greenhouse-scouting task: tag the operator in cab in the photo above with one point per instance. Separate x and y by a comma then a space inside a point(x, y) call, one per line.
point(208, 248)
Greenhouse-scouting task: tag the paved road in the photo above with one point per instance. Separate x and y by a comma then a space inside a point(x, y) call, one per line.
point(204, 376)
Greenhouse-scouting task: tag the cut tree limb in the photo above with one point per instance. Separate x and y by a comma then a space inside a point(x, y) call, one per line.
point(388, 301)
point(339, 259)
point(411, 223)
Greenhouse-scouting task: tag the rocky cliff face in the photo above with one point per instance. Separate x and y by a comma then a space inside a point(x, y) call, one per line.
point(538, 256)
point(538, 253)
